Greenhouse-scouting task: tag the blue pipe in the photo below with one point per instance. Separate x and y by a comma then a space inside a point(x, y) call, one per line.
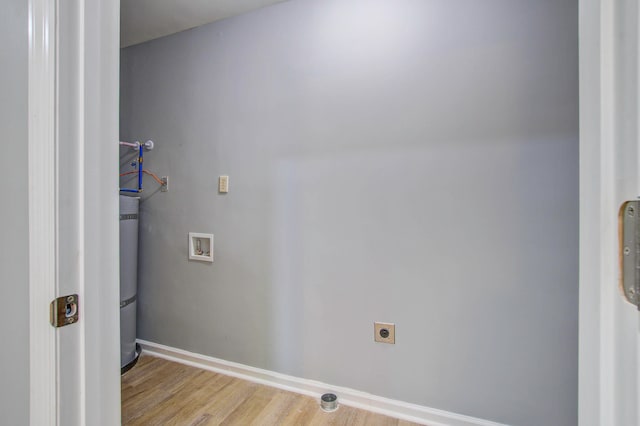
point(140, 159)
point(140, 168)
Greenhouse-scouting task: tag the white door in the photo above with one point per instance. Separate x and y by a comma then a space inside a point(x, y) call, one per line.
point(73, 210)
point(609, 174)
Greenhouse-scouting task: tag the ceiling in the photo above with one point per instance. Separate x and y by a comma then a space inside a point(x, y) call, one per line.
point(143, 20)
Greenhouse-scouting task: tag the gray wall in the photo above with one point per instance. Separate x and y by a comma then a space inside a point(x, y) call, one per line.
point(406, 161)
point(14, 225)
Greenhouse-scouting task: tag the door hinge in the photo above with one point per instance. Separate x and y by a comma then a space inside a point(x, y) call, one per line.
point(64, 311)
point(629, 251)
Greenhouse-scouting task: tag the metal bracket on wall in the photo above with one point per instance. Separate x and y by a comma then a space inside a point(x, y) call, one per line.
point(629, 251)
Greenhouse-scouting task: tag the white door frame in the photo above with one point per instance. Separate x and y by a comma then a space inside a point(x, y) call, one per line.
point(609, 339)
point(93, 396)
point(42, 232)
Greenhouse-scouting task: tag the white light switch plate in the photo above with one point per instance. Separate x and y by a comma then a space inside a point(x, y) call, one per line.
point(223, 184)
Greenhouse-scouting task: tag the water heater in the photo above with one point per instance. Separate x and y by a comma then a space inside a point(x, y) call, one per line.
point(129, 210)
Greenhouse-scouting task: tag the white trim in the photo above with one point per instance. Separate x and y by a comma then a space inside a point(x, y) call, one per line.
point(608, 326)
point(350, 397)
point(100, 58)
point(71, 251)
point(42, 146)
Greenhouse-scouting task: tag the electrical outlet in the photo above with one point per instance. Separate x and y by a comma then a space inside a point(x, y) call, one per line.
point(165, 184)
point(384, 332)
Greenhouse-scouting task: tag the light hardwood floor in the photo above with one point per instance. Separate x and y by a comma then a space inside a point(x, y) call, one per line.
point(161, 392)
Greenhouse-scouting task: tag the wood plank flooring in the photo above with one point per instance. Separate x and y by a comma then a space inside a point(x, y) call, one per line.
point(161, 392)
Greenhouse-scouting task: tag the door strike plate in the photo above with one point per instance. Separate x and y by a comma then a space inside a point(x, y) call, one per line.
point(629, 251)
point(64, 311)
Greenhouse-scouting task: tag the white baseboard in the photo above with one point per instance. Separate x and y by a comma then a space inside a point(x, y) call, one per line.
point(353, 398)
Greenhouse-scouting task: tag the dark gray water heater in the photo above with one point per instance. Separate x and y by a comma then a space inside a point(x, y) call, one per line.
point(129, 210)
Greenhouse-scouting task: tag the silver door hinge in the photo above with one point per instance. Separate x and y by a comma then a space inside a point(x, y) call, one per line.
point(64, 311)
point(629, 251)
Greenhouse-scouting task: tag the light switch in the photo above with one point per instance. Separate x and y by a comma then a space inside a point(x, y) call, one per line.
point(223, 184)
